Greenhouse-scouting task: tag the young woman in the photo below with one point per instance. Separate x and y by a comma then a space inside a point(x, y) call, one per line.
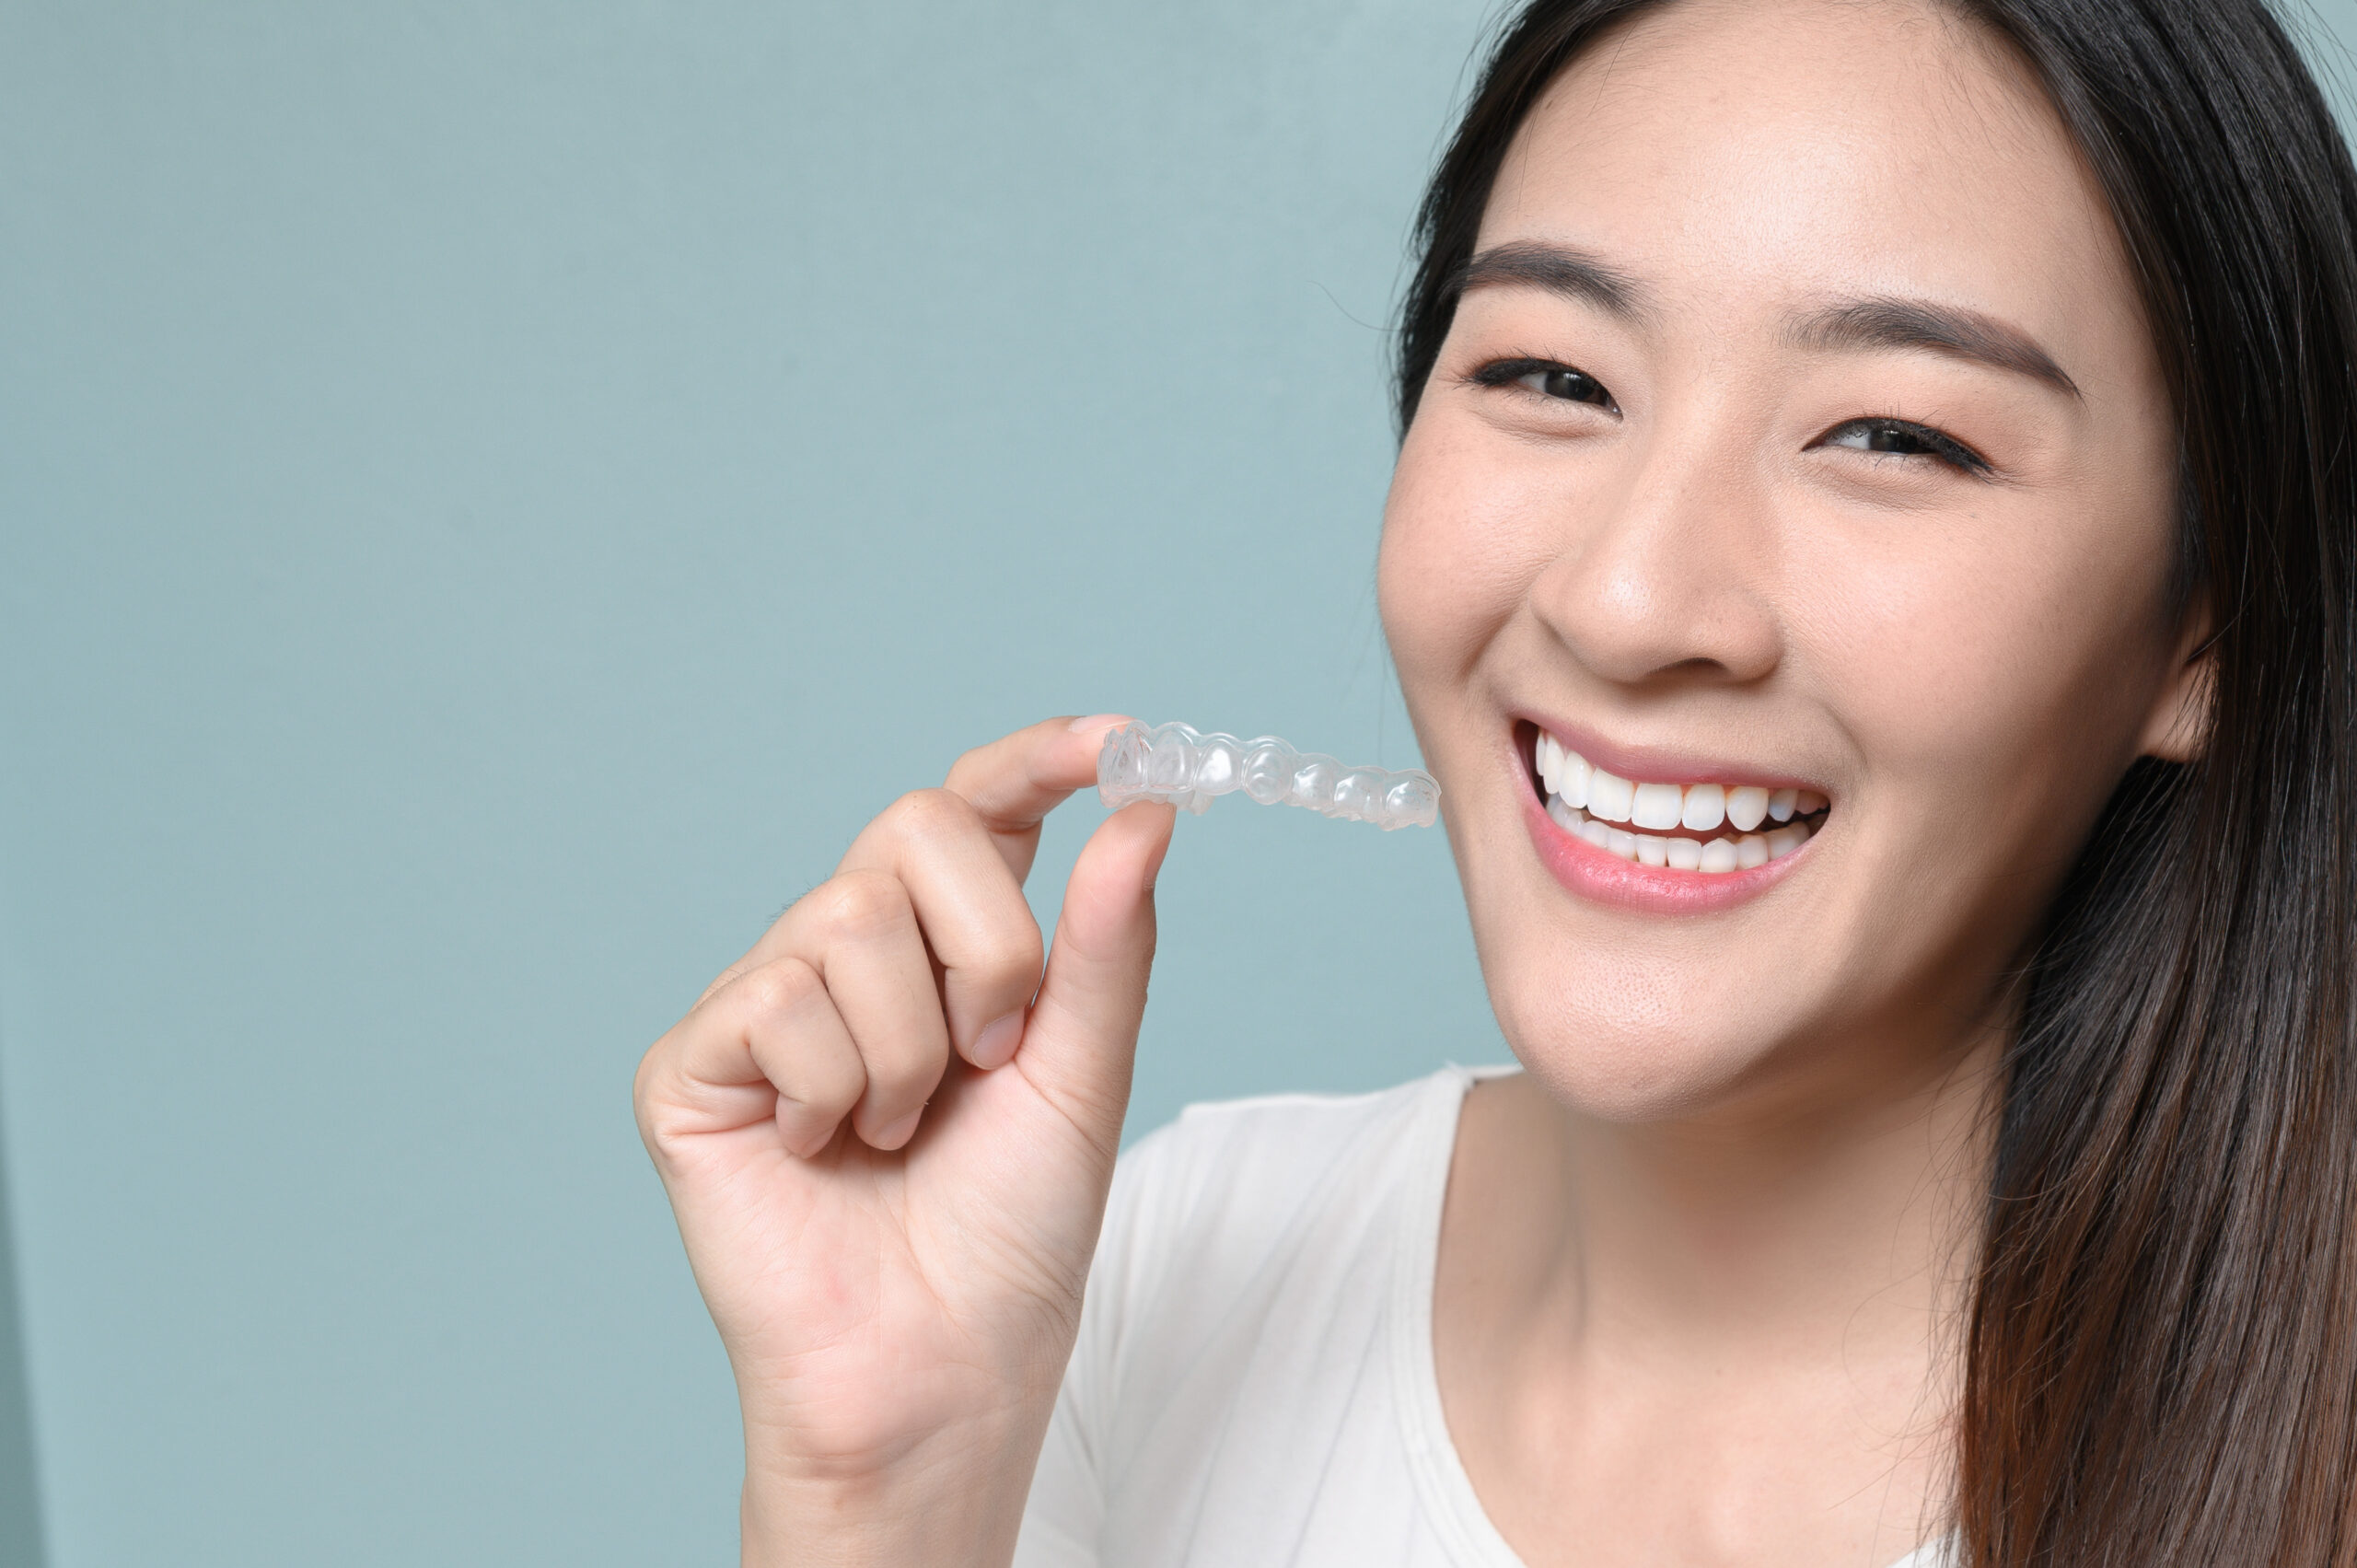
point(1924, 424)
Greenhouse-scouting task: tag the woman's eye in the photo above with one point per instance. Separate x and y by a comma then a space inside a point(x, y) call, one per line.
point(1572, 386)
point(1549, 379)
point(1905, 438)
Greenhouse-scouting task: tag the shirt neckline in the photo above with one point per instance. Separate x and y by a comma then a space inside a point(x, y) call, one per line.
point(1446, 1490)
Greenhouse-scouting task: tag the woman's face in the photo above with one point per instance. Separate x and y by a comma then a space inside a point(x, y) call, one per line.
point(1798, 432)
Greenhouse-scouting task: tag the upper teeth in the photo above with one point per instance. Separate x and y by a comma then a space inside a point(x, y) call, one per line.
point(1574, 787)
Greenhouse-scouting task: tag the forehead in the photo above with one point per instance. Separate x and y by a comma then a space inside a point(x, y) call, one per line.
point(1758, 154)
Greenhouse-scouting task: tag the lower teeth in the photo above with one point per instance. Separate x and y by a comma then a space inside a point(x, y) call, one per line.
point(1715, 856)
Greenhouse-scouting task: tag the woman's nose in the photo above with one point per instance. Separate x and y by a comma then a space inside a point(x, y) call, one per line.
point(1667, 580)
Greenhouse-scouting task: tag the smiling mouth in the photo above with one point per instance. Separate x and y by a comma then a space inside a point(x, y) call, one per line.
point(1709, 828)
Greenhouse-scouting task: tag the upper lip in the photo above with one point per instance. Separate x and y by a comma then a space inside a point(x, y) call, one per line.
point(1650, 764)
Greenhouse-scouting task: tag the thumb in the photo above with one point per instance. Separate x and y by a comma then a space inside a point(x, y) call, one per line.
point(1083, 1033)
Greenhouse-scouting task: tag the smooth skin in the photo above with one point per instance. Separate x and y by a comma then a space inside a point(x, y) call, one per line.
point(1700, 1262)
point(893, 1239)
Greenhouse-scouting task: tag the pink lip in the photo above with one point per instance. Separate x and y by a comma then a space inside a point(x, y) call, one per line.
point(1600, 874)
point(1604, 878)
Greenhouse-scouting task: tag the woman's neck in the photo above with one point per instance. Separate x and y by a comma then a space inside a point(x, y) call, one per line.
point(1767, 1290)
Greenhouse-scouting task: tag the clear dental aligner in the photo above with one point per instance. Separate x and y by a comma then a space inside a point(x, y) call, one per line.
point(1174, 764)
point(1624, 817)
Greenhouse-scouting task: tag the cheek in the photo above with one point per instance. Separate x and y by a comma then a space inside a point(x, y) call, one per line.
point(1457, 555)
point(2003, 674)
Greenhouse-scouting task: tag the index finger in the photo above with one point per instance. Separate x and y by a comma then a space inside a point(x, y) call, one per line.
point(1017, 780)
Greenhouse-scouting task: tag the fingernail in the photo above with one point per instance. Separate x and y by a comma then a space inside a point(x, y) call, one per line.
point(994, 1047)
point(900, 1132)
point(1099, 721)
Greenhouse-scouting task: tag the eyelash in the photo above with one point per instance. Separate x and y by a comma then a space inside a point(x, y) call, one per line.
point(1500, 373)
point(1944, 447)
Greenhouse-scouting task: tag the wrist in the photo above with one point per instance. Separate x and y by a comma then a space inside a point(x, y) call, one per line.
point(954, 1500)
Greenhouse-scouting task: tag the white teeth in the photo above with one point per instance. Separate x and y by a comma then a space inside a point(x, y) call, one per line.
point(1577, 775)
point(1610, 796)
point(1570, 783)
point(1680, 854)
point(1657, 805)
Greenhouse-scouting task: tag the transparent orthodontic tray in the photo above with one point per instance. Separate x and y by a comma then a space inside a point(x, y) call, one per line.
point(1189, 769)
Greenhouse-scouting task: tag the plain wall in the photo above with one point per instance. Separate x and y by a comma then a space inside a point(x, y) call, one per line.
point(492, 496)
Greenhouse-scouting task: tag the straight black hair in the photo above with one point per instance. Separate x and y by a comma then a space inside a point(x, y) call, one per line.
point(2161, 1355)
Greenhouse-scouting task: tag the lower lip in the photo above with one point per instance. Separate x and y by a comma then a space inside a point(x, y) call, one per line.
point(1603, 876)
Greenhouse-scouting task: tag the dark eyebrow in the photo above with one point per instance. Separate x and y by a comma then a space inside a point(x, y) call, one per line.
point(1557, 269)
point(1945, 328)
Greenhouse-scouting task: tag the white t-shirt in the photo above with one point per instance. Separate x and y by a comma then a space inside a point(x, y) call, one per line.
point(1253, 1382)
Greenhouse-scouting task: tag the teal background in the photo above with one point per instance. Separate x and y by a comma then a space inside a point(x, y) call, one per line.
point(492, 496)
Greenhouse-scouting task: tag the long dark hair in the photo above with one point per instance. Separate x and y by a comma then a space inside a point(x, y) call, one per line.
point(2161, 1354)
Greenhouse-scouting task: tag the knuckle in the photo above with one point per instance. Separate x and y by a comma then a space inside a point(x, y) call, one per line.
point(930, 814)
point(780, 988)
point(863, 905)
point(974, 760)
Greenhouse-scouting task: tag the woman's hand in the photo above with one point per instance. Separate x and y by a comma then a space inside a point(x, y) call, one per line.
point(888, 1157)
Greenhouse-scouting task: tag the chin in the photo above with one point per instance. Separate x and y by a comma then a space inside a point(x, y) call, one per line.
point(1633, 1048)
